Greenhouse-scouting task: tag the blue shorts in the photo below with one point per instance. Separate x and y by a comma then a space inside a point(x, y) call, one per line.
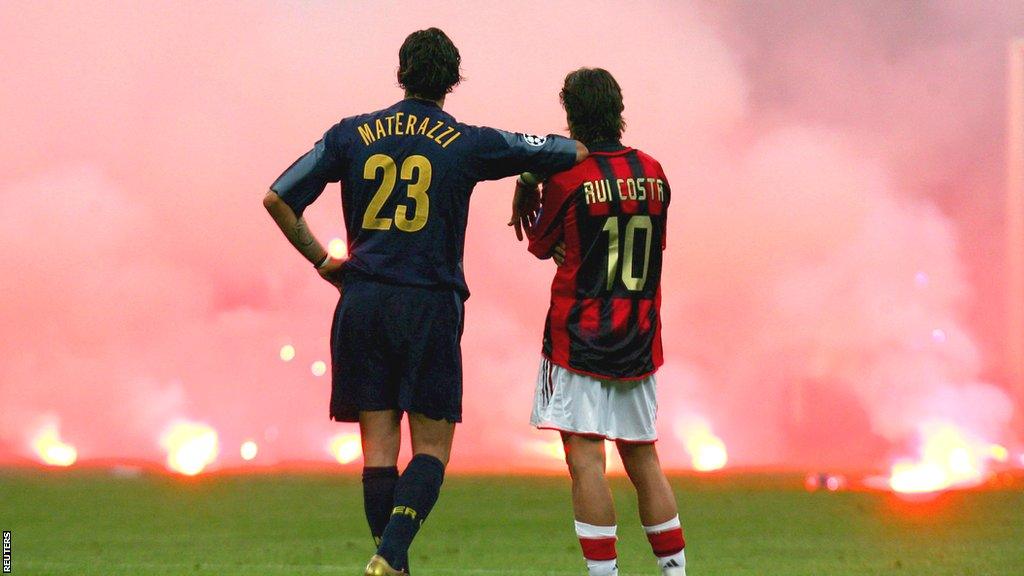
point(396, 348)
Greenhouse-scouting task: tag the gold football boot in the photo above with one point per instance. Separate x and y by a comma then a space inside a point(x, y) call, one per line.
point(380, 567)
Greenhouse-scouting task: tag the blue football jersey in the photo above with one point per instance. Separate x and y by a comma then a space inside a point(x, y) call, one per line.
point(406, 176)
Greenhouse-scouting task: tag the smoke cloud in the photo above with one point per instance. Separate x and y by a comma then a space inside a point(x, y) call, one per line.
point(833, 270)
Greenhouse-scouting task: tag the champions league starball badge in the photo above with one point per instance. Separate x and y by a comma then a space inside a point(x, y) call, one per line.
point(533, 140)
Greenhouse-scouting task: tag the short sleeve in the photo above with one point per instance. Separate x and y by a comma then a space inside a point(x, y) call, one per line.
point(304, 181)
point(500, 154)
point(549, 228)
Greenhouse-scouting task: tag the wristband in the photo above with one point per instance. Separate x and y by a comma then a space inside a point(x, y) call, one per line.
point(327, 258)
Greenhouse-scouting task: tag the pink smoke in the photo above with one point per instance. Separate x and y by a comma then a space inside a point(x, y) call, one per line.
point(834, 235)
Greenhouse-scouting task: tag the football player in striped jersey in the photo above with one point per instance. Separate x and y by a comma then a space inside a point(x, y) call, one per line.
point(603, 221)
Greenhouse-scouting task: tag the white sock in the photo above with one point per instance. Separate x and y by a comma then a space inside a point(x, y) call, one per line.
point(679, 570)
point(603, 568)
point(673, 564)
point(599, 542)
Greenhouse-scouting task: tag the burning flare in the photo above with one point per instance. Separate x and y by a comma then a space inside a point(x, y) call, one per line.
point(191, 447)
point(949, 458)
point(707, 451)
point(51, 449)
point(552, 449)
point(249, 450)
point(318, 368)
point(287, 352)
point(345, 447)
point(337, 248)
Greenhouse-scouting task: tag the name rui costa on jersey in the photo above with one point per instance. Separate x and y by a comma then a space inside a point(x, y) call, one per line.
point(402, 124)
point(628, 189)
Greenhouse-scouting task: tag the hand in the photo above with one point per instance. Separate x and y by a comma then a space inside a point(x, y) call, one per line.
point(559, 254)
point(525, 206)
point(331, 271)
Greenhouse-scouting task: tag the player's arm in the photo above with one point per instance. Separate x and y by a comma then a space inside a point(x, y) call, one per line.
point(525, 204)
point(294, 228)
point(301, 237)
point(297, 188)
point(547, 231)
point(500, 154)
point(507, 153)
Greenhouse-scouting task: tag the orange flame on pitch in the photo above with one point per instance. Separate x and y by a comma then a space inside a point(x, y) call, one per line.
point(949, 458)
point(552, 449)
point(707, 451)
point(48, 446)
point(555, 450)
point(191, 447)
point(346, 447)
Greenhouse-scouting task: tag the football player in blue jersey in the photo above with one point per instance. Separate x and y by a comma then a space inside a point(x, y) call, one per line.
point(406, 174)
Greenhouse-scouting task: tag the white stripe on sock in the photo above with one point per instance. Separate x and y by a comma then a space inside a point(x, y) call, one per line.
point(584, 530)
point(663, 527)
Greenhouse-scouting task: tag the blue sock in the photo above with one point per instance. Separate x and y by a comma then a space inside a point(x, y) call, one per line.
point(379, 497)
point(415, 495)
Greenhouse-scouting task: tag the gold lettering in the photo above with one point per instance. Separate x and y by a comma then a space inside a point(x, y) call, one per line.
point(450, 140)
point(398, 123)
point(432, 130)
point(410, 124)
point(404, 511)
point(366, 133)
point(380, 129)
point(423, 125)
point(441, 136)
point(390, 120)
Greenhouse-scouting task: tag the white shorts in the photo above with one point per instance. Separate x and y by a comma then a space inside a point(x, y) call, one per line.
point(613, 409)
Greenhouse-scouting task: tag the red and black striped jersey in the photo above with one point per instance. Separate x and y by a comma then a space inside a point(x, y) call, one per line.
point(610, 212)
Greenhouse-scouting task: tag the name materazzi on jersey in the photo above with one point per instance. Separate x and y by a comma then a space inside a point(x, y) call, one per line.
point(402, 124)
point(628, 189)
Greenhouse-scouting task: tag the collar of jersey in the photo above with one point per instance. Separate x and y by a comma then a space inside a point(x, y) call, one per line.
point(422, 101)
point(606, 147)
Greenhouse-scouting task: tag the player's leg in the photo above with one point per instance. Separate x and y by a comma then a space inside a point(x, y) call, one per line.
point(381, 435)
point(654, 494)
point(362, 392)
point(427, 335)
point(658, 511)
point(418, 488)
point(592, 502)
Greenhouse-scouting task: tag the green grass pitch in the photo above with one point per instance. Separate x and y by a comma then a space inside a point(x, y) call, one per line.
point(86, 523)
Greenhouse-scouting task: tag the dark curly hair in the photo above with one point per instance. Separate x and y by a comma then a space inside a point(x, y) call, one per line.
point(593, 105)
point(428, 64)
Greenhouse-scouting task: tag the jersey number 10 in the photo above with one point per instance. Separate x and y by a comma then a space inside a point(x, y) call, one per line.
point(611, 226)
point(416, 190)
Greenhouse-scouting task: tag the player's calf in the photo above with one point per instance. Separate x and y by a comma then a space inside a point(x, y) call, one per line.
point(415, 496)
point(656, 502)
point(379, 497)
